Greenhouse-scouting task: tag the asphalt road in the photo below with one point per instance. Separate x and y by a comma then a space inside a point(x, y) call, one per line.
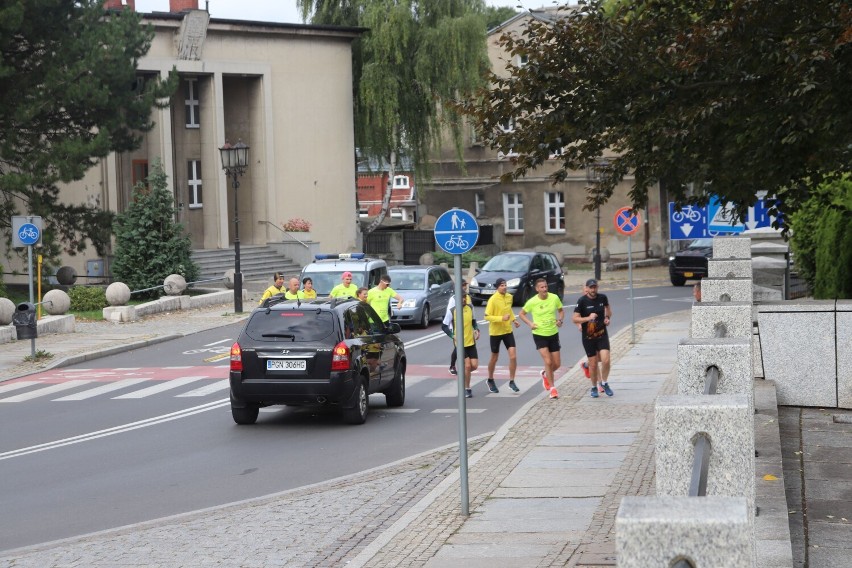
point(78, 464)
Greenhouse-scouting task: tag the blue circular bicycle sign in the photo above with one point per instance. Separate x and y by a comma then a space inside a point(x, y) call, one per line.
point(29, 234)
point(456, 231)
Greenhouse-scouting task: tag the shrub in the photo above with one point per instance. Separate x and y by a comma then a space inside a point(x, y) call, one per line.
point(87, 298)
point(150, 245)
point(296, 225)
point(466, 258)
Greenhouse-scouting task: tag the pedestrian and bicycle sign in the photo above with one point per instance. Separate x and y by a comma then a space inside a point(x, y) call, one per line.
point(715, 219)
point(626, 221)
point(26, 230)
point(456, 231)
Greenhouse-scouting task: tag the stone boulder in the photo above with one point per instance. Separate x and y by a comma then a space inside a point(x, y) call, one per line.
point(56, 303)
point(117, 294)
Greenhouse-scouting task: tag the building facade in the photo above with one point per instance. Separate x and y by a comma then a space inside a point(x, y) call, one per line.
point(285, 90)
point(532, 212)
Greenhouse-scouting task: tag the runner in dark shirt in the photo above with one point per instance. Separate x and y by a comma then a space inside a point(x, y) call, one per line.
point(593, 313)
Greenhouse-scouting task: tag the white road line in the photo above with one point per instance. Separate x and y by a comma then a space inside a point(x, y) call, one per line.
point(126, 369)
point(450, 389)
point(163, 386)
point(115, 430)
point(215, 386)
point(45, 391)
point(642, 297)
point(103, 389)
point(456, 410)
point(398, 410)
point(217, 342)
point(18, 385)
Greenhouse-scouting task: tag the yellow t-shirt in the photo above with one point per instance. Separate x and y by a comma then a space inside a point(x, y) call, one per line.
point(307, 295)
point(498, 306)
point(341, 291)
point(291, 296)
point(380, 301)
point(467, 318)
point(269, 292)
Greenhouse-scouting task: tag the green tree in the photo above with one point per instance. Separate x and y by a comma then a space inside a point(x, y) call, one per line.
point(416, 56)
point(149, 243)
point(496, 15)
point(69, 95)
point(727, 97)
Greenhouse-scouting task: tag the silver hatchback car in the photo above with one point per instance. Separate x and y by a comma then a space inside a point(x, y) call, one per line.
point(425, 290)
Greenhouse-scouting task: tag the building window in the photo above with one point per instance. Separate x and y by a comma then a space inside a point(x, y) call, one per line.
point(192, 104)
point(401, 182)
point(140, 172)
point(363, 212)
point(513, 212)
point(554, 211)
point(479, 205)
point(396, 213)
point(193, 176)
point(521, 60)
point(507, 125)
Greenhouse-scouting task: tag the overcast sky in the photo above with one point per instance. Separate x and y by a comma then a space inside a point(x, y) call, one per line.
point(284, 10)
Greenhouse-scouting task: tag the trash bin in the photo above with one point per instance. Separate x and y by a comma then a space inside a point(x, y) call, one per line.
point(24, 320)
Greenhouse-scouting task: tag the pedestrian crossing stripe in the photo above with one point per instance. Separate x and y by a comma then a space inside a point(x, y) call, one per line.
point(135, 383)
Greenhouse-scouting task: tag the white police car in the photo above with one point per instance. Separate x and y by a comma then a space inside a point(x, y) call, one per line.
point(327, 269)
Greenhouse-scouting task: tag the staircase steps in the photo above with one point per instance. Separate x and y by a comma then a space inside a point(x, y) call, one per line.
point(257, 262)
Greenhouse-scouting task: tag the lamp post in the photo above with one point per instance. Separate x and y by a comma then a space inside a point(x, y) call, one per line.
point(235, 162)
point(593, 176)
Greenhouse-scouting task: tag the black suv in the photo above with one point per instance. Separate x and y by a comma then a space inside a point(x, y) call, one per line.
point(520, 269)
point(327, 351)
point(690, 263)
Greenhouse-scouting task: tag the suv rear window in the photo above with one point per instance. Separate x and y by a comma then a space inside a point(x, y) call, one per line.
point(324, 281)
point(290, 325)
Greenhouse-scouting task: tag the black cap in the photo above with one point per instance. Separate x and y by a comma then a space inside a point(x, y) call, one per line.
point(591, 282)
point(499, 282)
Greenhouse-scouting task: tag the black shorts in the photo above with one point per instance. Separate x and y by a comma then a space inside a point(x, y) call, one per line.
point(471, 352)
point(507, 339)
point(551, 342)
point(592, 346)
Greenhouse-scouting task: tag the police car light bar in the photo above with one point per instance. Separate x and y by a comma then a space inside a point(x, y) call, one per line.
point(342, 255)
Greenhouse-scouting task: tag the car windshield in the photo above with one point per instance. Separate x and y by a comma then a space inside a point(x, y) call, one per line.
point(290, 325)
point(325, 280)
point(507, 263)
point(701, 243)
point(408, 280)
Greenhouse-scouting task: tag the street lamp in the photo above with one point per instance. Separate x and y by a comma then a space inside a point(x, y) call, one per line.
point(594, 174)
point(235, 162)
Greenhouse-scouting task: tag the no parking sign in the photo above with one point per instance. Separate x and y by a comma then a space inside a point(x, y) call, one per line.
point(627, 222)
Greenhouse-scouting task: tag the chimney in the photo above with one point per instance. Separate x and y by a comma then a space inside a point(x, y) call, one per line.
point(119, 4)
point(176, 6)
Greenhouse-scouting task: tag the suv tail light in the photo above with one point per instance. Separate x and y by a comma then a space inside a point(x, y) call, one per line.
point(236, 357)
point(339, 357)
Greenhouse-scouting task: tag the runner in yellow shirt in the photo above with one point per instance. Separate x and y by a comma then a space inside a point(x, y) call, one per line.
point(379, 298)
point(292, 292)
point(501, 318)
point(308, 292)
point(276, 288)
point(547, 317)
point(347, 288)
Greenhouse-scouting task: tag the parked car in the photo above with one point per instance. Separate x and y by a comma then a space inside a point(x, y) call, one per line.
point(327, 352)
point(326, 270)
point(690, 263)
point(426, 291)
point(520, 269)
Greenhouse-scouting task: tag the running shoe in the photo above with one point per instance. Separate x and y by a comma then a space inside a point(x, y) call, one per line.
point(492, 386)
point(453, 371)
point(513, 386)
point(607, 390)
point(600, 387)
point(468, 393)
point(586, 369)
point(544, 380)
point(554, 393)
point(594, 392)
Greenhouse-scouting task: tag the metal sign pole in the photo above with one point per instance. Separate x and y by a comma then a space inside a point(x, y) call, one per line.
point(32, 300)
point(630, 277)
point(458, 330)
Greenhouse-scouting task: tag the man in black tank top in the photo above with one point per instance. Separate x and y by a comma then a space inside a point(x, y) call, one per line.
point(593, 313)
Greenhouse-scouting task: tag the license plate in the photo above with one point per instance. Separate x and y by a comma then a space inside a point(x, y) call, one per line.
point(688, 274)
point(286, 365)
point(488, 292)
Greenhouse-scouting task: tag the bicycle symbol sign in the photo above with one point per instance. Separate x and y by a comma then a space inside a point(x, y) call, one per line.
point(456, 231)
point(29, 234)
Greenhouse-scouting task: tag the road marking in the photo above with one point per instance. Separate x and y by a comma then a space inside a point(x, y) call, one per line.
point(218, 342)
point(163, 386)
point(215, 386)
point(456, 410)
point(108, 387)
point(397, 410)
point(18, 385)
point(44, 391)
point(115, 430)
point(215, 358)
point(641, 297)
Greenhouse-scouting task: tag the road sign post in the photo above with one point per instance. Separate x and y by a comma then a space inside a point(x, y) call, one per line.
point(26, 232)
point(627, 223)
point(456, 232)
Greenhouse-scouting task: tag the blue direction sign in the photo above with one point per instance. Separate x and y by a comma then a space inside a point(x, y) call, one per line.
point(717, 219)
point(456, 231)
point(29, 234)
point(689, 222)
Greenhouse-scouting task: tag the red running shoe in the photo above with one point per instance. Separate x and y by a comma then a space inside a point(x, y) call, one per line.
point(544, 380)
point(586, 369)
